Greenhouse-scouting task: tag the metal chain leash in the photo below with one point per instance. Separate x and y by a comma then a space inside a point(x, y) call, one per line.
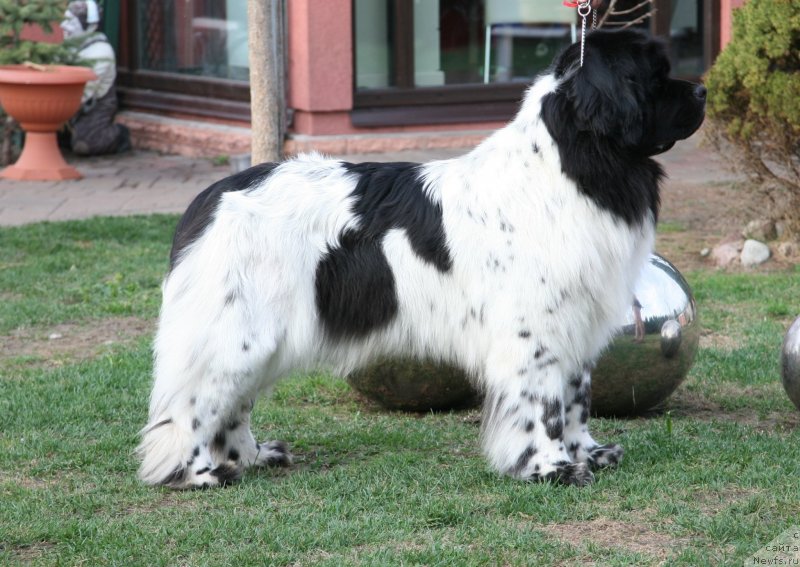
point(584, 9)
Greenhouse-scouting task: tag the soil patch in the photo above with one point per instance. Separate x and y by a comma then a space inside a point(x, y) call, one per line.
point(57, 345)
point(614, 534)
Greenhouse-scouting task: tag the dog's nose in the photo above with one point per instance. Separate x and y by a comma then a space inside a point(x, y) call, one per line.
point(700, 92)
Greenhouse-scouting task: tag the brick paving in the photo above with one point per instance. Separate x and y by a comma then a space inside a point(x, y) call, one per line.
point(146, 182)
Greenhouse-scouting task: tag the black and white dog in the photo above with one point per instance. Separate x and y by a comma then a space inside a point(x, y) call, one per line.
point(515, 262)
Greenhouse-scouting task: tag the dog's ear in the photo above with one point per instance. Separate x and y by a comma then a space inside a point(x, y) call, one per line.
point(605, 96)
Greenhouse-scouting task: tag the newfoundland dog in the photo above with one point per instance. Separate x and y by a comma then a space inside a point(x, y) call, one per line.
point(515, 262)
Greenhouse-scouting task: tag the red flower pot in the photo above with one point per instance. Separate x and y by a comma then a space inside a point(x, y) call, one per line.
point(41, 99)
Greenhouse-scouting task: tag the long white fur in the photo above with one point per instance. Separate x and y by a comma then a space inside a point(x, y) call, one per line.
point(271, 238)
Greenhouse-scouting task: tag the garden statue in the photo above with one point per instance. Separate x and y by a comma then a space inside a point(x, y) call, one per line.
point(92, 131)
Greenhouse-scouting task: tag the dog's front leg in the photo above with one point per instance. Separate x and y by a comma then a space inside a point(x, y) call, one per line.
point(523, 421)
point(580, 444)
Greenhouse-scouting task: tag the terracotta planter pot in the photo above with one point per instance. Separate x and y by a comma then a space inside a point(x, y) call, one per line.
point(41, 100)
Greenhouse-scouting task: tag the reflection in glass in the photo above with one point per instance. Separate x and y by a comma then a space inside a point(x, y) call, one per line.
point(458, 41)
point(686, 39)
point(205, 38)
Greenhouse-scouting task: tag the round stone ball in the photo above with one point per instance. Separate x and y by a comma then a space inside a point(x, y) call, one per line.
point(654, 349)
point(790, 363)
point(409, 385)
point(644, 364)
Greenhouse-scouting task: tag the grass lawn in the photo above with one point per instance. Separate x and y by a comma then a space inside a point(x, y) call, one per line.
point(712, 481)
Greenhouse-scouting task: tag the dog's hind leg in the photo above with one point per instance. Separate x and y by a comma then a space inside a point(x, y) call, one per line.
point(580, 444)
point(523, 422)
point(213, 353)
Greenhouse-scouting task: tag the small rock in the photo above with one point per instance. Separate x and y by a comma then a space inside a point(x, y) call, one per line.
point(705, 252)
point(788, 249)
point(726, 253)
point(54, 336)
point(760, 229)
point(754, 253)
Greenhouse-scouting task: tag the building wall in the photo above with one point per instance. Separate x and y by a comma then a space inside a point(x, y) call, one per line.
point(726, 19)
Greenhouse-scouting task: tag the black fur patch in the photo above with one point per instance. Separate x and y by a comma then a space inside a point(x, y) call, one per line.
point(523, 459)
point(355, 287)
point(201, 211)
point(175, 478)
point(553, 423)
point(227, 473)
point(218, 443)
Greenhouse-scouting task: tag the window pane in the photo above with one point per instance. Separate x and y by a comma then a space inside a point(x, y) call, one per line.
point(457, 41)
point(373, 48)
point(524, 37)
point(686, 38)
point(197, 37)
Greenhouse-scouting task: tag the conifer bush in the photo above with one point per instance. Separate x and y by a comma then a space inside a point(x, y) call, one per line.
point(754, 100)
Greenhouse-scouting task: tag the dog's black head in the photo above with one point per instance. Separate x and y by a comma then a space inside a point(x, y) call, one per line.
point(623, 94)
point(610, 115)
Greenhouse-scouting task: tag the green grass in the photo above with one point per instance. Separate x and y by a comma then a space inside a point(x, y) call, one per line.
point(712, 481)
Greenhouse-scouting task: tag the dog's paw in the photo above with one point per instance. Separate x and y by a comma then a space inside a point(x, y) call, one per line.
point(273, 454)
point(206, 477)
point(605, 456)
point(564, 472)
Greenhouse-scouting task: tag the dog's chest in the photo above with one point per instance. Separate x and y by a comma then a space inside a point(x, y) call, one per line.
point(545, 249)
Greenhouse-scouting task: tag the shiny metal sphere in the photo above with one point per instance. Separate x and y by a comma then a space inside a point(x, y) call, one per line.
point(790, 363)
point(644, 364)
point(410, 385)
point(654, 349)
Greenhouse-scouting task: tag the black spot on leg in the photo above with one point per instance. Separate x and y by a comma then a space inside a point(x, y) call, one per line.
point(218, 443)
point(195, 424)
point(523, 459)
point(233, 424)
point(522, 371)
point(500, 401)
point(539, 352)
point(584, 415)
point(525, 334)
point(573, 449)
point(551, 417)
point(245, 346)
point(535, 148)
point(227, 474)
point(529, 425)
point(231, 298)
point(192, 401)
point(550, 361)
point(161, 423)
point(175, 478)
point(196, 451)
point(233, 455)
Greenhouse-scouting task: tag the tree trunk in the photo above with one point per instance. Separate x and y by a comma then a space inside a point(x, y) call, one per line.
point(267, 94)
